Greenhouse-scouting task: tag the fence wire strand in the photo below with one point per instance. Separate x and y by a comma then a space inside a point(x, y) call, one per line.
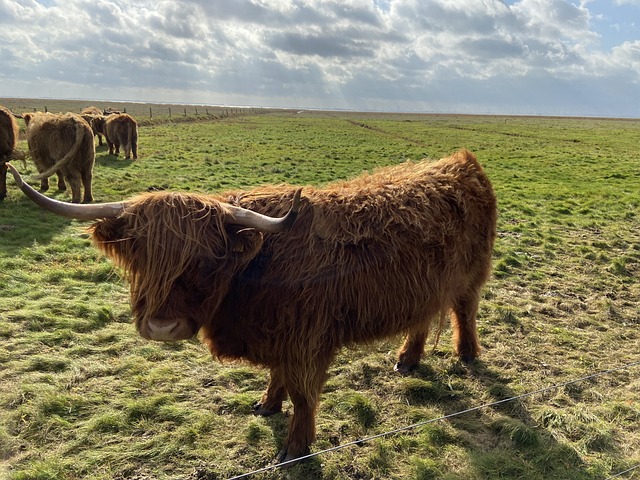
point(445, 417)
point(619, 474)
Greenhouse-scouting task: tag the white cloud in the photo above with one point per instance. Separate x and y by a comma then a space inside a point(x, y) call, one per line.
point(447, 55)
point(635, 3)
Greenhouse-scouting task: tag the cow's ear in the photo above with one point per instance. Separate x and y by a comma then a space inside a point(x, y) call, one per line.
point(246, 242)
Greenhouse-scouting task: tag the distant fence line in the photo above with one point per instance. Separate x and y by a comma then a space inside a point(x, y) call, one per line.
point(216, 112)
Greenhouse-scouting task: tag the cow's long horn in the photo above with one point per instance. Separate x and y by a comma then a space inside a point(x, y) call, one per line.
point(70, 210)
point(264, 223)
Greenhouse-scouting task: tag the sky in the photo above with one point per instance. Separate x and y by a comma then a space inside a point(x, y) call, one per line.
point(526, 57)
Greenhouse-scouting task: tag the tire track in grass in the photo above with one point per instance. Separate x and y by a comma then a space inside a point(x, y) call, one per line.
point(419, 143)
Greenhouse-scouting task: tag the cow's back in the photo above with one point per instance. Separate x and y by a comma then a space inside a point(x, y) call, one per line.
point(121, 128)
point(367, 258)
point(52, 138)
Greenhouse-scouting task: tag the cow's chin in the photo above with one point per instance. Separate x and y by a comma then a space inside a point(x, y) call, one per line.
point(167, 329)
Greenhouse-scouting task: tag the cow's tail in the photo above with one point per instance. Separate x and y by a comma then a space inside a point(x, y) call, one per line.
point(70, 155)
point(442, 320)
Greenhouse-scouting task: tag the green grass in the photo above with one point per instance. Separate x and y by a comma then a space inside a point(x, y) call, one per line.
point(83, 396)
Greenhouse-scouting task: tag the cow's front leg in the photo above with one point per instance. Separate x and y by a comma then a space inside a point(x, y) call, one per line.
point(304, 388)
point(411, 351)
point(276, 393)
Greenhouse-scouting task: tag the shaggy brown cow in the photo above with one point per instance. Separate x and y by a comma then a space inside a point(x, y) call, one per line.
point(8, 142)
point(90, 114)
point(122, 129)
point(62, 144)
point(385, 253)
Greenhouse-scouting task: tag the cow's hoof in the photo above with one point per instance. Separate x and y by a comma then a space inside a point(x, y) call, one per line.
point(285, 457)
point(467, 359)
point(404, 368)
point(260, 409)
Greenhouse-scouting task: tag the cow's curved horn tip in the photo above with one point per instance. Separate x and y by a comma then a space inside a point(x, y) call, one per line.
point(15, 173)
point(296, 200)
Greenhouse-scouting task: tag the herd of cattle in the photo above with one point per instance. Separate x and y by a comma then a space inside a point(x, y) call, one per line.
point(63, 144)
point(284, 277)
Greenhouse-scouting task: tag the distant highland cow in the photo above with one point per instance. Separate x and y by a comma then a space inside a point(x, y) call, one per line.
point(8, 142)
point(90, 114)
point(62, 144)
point(121, 129)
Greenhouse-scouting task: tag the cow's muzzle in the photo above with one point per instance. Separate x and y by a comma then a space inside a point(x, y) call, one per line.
point(167, 330)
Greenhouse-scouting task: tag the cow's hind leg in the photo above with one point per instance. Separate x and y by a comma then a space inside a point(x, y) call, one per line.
point(276, 393)
point(463, 323)
point(87, 177)
point(44, 184)
point(62, 186)
point(411, 351)
point(74, 183)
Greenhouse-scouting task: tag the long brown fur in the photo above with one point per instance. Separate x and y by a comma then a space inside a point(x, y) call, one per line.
point(121, 129)
point(8, 143)
point(62, 144)
point(93, 115)
point(385, 253)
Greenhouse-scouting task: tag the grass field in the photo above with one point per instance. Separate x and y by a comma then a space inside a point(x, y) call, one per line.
point(82, 396)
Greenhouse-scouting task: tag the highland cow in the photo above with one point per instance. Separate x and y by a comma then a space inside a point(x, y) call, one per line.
point(385, 253)
point(62, 144)
point(90, 114)
point(8, 143)
point(121, 129)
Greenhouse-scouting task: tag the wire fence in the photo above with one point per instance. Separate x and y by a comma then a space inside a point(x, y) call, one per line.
point(137, 110)
point(364, 440)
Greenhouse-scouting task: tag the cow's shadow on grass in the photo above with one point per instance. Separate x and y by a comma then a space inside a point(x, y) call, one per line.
point(23, 223)
point(515, 445)
point(521, 448)
point(105, 160)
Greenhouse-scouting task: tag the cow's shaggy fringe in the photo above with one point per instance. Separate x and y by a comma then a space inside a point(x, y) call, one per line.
point(163, 235)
